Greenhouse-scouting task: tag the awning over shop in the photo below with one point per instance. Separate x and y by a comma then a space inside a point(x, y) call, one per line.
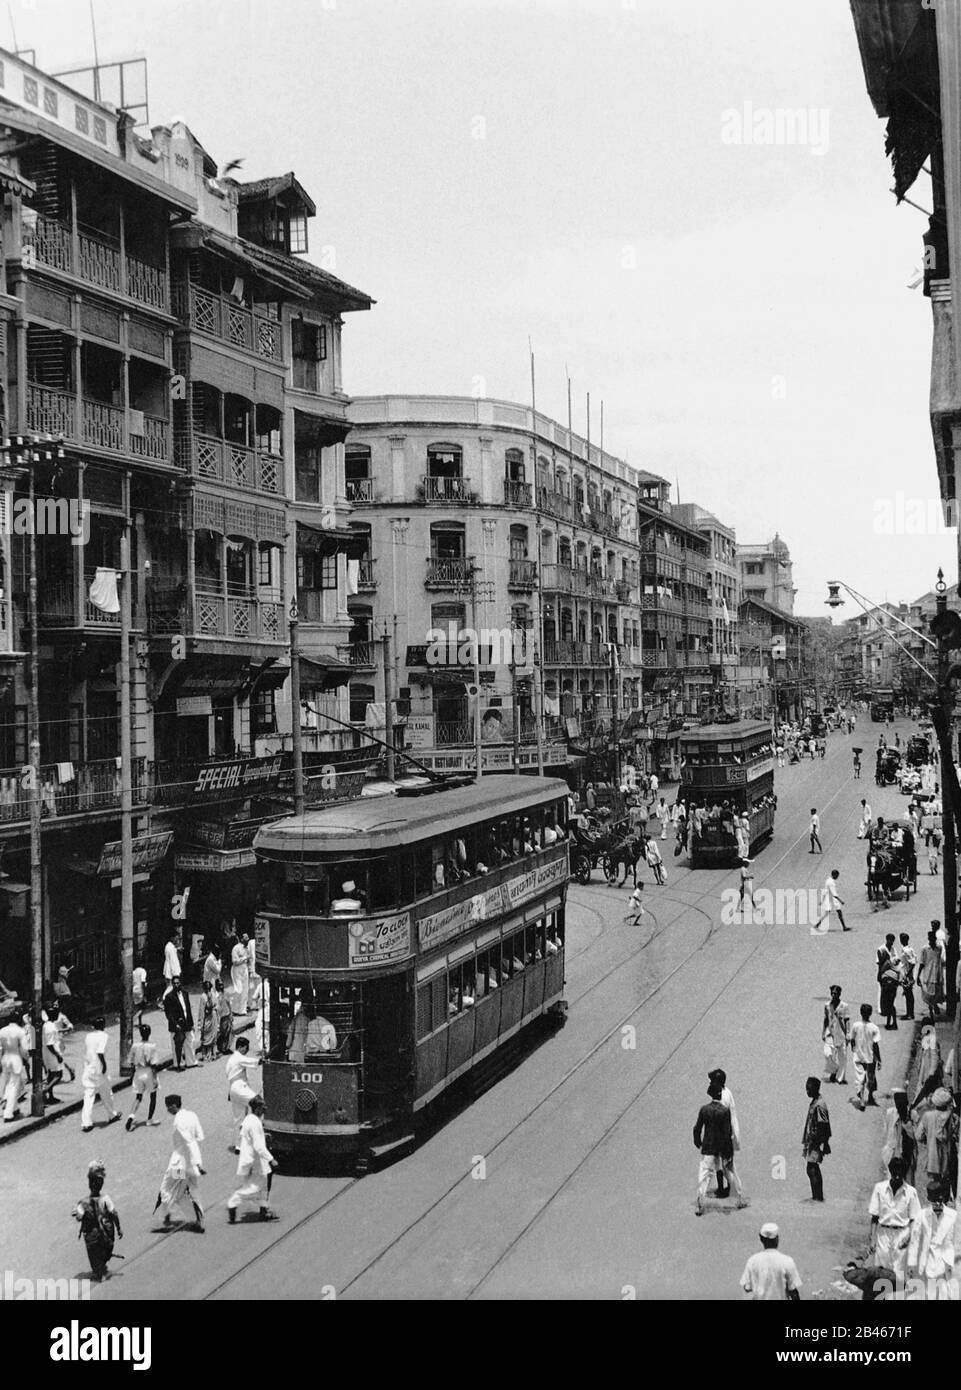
point(332, 540)
point(898, 43)
point(327, 673)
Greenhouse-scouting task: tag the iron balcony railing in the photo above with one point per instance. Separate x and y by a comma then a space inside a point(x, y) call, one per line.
point(517, 494)
point(360, 489)
point(522, 574)
point(68, 789)
point(450, 574)
point(446, 489)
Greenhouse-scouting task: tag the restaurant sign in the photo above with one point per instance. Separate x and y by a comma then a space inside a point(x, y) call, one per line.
point(148, 852)
point(377, 942)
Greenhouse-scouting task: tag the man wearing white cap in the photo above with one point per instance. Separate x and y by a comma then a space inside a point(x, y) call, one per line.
point(770, 1276)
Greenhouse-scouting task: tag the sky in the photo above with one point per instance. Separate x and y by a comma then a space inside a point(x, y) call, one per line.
point(576, 174)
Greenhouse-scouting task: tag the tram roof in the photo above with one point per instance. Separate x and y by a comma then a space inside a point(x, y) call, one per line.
point(389, 822)
point(718, 733)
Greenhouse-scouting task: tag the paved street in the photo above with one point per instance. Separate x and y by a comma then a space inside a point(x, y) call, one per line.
point(588, 1164)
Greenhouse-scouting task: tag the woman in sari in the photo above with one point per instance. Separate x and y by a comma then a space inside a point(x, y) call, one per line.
point(225, 1022)
point(99, 1222)
point(207, 1023)
point(931, 975)
point(937, 1132)
point(929, 1064)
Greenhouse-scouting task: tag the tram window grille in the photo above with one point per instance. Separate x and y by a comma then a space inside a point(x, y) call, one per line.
point(424, 1010)
point(438, 994)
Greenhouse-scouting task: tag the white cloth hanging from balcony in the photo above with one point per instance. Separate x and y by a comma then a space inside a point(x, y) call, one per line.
point(103, 591)
point(64, 773)
point(376, 715)
point(353, 576)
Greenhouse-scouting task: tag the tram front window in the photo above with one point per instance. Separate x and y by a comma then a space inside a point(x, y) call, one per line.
point(308, 1025)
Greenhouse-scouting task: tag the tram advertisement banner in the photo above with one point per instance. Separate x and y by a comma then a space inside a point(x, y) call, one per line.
point(441, 926)
point(518, 890)
point(376, 943)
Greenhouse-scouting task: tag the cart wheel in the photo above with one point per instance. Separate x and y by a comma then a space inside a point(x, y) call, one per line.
point(582, 869)
point(610, 868)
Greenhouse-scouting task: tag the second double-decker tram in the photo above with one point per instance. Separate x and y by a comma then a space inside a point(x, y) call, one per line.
point(403, 941)
point(727, 770)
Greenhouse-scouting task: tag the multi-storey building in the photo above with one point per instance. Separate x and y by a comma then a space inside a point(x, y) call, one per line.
point(723, 582)
point(159, 323)
point(483, 514)
point(771, 670)
point(767, 573)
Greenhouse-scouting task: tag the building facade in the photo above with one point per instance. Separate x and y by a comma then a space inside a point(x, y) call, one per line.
point(767, 573)
point(177, 366)
point(771, 662)
point(724, 596)
point(486, 516)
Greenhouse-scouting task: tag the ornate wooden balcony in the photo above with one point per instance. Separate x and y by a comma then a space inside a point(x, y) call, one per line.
point(97, 260)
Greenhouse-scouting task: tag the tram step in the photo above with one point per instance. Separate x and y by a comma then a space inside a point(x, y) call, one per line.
point(391, 1146)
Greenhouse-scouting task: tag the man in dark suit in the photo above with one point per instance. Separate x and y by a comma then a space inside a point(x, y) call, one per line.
point(180, 1021)
point(715, 1139)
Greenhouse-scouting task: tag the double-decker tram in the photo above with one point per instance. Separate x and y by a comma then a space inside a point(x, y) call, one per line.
point(727, 779)
point(404, 939)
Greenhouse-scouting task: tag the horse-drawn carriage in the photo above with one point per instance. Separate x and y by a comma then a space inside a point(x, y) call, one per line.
point(609, 843)
point(888, 767)
point(890, 868)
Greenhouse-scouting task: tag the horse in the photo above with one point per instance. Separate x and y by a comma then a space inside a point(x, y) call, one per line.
point(627, 852)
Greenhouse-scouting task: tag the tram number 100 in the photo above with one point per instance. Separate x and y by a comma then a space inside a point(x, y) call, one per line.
point(313, 1077)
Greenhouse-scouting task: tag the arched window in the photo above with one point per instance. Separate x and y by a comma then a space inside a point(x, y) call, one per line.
point(514, 466)
point(357, 474)
point(444, 461)
point(518, 542)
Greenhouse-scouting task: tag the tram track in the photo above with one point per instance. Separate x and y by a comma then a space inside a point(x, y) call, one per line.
point(563, 1081)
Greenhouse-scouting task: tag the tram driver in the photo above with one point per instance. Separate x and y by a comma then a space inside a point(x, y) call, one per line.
point(310, 1035)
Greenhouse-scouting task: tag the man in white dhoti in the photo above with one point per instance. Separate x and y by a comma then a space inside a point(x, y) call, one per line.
point(894, 1209)
point(836, 1034)
point(186, 1165)
point(239, 976)
point(239, 1091)
point(931, 1253)
point(255, 1165)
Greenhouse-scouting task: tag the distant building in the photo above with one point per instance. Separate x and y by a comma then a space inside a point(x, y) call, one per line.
point(767, 573)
